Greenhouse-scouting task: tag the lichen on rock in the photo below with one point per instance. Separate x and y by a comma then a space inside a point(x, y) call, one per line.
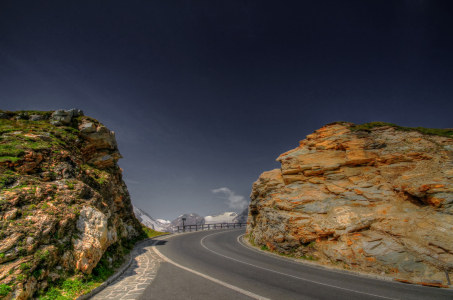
point(63, 202)
point(376, 200)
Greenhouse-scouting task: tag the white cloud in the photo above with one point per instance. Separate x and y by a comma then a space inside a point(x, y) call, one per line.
point(233, 200)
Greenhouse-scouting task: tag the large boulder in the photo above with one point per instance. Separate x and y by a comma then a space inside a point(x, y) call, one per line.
point(63, 117)
point(378, 201)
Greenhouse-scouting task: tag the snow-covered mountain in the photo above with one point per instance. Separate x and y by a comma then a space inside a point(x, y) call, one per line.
point(242, 217)
point(191, 219)
point(148, 221)
point(226, 217)
point(165, 222)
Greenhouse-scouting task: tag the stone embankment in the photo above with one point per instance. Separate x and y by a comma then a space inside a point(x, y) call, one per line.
point(63, 202)
point(378, 200)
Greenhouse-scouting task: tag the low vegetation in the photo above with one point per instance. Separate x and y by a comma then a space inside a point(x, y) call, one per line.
point(429, 131)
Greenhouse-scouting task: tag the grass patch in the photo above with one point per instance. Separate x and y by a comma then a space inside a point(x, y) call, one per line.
point(151, 232)
point(4, 289)
point(428, 131)
point(67, 290)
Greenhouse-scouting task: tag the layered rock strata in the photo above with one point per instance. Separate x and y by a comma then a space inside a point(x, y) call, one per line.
point(63, 202)
point(378, 200)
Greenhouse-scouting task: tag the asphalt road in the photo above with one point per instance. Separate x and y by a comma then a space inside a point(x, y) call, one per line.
point(220, 255)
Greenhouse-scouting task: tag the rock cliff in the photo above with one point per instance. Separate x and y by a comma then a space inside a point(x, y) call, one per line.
point(376, 198)
point(63, 202)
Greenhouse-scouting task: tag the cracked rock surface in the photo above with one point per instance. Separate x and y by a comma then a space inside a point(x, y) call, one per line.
point(377, 201)
point(63, 202)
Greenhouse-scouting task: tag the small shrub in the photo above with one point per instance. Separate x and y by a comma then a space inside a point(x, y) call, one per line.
point(20, 277)
point(37, 273)
point(264, 247)
point(25, 266)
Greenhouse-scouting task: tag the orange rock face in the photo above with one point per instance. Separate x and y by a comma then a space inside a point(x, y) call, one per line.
point(378, 201)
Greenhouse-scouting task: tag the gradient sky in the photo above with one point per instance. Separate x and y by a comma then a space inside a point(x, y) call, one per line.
point(204, 95)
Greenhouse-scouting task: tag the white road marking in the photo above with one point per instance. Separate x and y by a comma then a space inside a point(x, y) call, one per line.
point(300, 278)
point(247, 293)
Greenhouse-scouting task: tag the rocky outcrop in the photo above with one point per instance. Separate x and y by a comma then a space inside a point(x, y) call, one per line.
point(63, 202)
point(377, 200)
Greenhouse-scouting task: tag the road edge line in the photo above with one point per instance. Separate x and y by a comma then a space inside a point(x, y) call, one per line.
point(300, 278)
point(235, 288)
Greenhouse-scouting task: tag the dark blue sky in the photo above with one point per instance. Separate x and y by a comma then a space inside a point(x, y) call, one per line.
point(206, 94)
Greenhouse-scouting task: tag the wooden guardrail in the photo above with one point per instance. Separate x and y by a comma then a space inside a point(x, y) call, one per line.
point(210, 226)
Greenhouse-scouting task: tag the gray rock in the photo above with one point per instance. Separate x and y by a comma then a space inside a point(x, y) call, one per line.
point(37, 117)
point(392, 258)
point(61, 117)
point(335, 177)
point(412, 266)
point(74, 112)
point(56, 123)
point(3, 116)
point(87, 128)
point(22, 116)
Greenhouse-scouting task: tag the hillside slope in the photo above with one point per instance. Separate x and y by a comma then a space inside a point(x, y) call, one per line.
point(148, 221)
point(63, 202)
point(373, 198)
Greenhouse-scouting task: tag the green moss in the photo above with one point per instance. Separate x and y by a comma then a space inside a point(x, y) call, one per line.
point(4, 289)
point(423, 130)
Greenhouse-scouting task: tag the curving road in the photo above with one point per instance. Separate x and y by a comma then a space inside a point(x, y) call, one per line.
point(228, 269)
